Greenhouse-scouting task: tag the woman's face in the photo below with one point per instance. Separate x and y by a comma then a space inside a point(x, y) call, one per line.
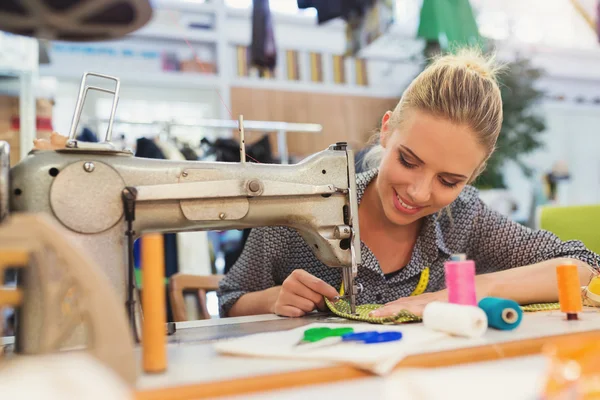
point(426, 163)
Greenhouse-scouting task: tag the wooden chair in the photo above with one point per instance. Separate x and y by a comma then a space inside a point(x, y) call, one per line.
point(181, 283)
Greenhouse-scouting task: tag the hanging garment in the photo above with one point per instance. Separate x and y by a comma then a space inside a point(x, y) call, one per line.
point(87, 135)
point(366, 23)
point(263, 52)
point(170, 151)
point(228, 150)
point(366, 20)
point(326, 9)
point(189, 153)
point(147, 148)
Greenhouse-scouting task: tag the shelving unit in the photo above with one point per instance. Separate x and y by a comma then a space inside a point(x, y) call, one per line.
point(19, 60)
point(223, 29)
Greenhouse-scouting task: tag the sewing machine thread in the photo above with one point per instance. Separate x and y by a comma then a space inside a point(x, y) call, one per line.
point(460, 282)
point(502, 314)
point(569, 292)
point(455, 319)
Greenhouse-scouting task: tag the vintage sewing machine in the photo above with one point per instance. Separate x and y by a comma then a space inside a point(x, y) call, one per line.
point(106, 198)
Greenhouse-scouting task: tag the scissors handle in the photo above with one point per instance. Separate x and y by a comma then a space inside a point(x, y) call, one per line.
point(315, 334)
point(371, 337)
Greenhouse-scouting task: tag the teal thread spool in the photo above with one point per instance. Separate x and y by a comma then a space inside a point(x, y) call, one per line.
point(502, 314)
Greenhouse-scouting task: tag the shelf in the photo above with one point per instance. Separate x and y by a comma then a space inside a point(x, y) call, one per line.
point(185, 5)
point(208, 36)
point(325, 88)
point(165, 79)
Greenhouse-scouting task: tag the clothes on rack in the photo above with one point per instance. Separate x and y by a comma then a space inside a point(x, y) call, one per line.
point(228, 150)
point(170, 150)
point(263, 52)
point(367, 23)
point(327, 9)
point(189, 153)
point(87, 135)
point(186, 252)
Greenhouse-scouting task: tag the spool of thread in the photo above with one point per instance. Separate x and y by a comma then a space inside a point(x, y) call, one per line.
point(460, 281)
point(458, 257)
point(455, 319)
point(503, 314)
point(569, 292)
point(154, 352)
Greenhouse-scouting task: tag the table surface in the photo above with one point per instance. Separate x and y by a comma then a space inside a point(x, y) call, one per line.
point(192, 360)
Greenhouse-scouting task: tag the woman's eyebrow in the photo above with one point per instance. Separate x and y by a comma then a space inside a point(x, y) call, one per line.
point(454, 175)
point(412, 153)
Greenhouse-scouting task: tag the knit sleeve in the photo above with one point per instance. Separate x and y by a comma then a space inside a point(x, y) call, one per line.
point(264, 254)
point(498, 243)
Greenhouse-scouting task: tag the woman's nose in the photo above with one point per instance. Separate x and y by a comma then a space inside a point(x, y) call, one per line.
point(420, 192)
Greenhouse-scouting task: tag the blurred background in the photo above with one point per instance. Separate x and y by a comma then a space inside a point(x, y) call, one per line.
point(327, 70)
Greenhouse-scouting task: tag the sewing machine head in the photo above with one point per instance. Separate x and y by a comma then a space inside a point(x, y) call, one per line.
point(93, 190)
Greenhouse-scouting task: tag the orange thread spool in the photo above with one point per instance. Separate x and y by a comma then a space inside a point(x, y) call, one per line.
point(569, 292)
point(153, 303)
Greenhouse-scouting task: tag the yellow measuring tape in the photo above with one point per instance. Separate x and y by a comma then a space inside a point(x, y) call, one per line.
point(421, 286)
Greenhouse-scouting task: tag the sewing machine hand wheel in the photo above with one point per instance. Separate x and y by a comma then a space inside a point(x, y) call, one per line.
point(77, 298)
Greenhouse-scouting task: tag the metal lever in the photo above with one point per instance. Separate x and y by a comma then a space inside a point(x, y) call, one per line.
point(83, 91)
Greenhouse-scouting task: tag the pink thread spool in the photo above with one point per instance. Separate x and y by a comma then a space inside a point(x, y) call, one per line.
point(460, 280)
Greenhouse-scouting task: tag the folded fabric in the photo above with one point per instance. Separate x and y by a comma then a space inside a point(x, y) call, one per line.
point(380, 358)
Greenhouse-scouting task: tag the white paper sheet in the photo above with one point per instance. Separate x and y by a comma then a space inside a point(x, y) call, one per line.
point(378, 358)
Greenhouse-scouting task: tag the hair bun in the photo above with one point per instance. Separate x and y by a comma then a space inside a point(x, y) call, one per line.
point(473, 59)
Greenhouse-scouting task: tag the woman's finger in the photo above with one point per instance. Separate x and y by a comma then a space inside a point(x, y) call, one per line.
point(289, 311)
point(291, 299)
point(315, 284)
point(298, 288)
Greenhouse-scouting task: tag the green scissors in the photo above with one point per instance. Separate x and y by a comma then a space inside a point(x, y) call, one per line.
point(315, 334)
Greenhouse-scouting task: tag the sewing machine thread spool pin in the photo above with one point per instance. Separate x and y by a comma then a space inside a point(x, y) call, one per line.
point(242, 140)
point(84, 88)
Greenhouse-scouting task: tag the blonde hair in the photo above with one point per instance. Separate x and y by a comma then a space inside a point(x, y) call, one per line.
point(460, 87)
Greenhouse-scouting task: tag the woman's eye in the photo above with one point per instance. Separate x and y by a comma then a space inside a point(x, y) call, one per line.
point(448, 184)
point(404, 162)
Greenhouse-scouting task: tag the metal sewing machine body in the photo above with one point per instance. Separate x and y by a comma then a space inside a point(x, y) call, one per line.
point(82, 187)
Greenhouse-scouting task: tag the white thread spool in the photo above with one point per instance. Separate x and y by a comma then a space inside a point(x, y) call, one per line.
point(455, 319)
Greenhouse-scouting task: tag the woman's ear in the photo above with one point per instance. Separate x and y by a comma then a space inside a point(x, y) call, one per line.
point(384, 132)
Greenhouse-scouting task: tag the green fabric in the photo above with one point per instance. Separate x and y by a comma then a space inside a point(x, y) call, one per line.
point(573, 223)
point(341, 308)
point(449, 22)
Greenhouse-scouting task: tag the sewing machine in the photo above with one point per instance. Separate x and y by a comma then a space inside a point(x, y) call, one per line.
point(107, 197)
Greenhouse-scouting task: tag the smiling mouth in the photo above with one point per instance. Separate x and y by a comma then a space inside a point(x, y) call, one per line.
point(403, 204)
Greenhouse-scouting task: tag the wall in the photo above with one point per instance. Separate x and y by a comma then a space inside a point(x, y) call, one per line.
point(344, 118)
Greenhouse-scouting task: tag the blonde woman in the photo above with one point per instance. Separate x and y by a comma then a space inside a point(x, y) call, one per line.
point(416, 209)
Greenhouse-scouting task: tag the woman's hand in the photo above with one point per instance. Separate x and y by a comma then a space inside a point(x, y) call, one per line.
point(301, 293)
point(412, 304)
point(55, 142)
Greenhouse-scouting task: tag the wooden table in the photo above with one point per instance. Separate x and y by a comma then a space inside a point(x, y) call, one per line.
point(196, 371)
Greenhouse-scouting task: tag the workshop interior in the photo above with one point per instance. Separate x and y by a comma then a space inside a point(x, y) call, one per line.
point(146, 144)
